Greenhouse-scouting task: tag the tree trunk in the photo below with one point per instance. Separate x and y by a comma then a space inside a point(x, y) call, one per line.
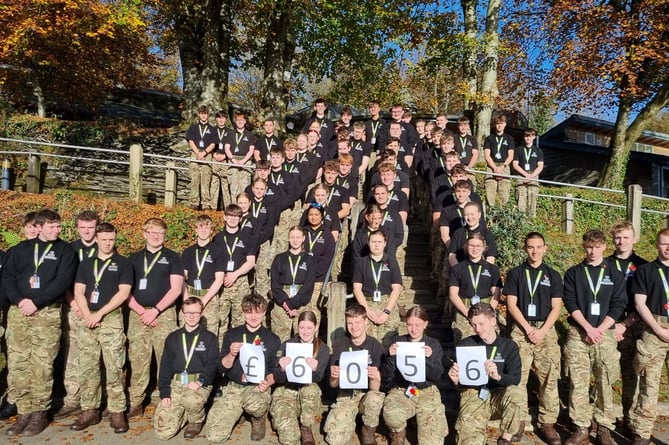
point(624, 137)
point(469, 65)
point(277, 60)
point(489, 92)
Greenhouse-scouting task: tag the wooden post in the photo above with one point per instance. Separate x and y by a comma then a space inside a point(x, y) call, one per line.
point(135, 184)
point(170, 185)
point(33, 179)
point(336, 307)
point(634, 193)
point(568, 214)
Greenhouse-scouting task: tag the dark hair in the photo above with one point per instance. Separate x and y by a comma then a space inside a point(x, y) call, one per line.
point(193, 300)
point(418, 312)
point(88, 215)
point(105, 227)
point(355, 310)
point(253, 302)
point(30, 218)
point(534, 235)
point(46, 216)
point(233, 210)
point(481, 309)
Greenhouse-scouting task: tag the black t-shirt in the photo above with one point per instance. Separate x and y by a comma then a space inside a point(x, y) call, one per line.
point(262, 336)
point(321, 354)
point(499, 146)
point(506, 358)
point(543, 285)
point(202, 135)
point(234, 248)
point(201, 263)
point(221, 137)
point(649, 281)
point(464, 145)
point(528, 158)
point(265, 144)
point(475, 279)
point(104, 277)
point(460, 236)
point(156, 269)
point(241, 142)
point(377, 275)
point(434, 367)
point(290, 269)
point(321, 246)
point(83, 251)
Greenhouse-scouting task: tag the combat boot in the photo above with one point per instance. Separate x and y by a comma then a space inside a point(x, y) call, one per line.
point(604, 436)
point(580, 437)
point(368, 435)
point(519, 434)
point(192, 430)
point(118, 422)
point(19, 425)
point(257, 428)
point(397, 437)
point(87, 418)
point(67, 410)
point(307, 436)
point(550, 435)
point(38, 423)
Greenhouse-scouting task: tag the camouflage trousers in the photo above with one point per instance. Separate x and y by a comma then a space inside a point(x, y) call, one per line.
point(219, 184)
point(200, 183)
point(497, 190)
point(107, 339)
point(69, 343)
point(291, 408)
point(651, 354)
point(187, 406)
point(212, 311)
point(143, 342)
point(544, 360)
point(32, 346)
point(630, 379)
point(262, 271)
point(283, 325)
point(386, 332)
point(426, 406)
point(503, 404)
point(238, 179)
point(340, 423)
point(231, 305)
point(341, 247)
point(599, 360)
point(527, 194)
point(461, 326)
point(288, 218)
point(227, 409)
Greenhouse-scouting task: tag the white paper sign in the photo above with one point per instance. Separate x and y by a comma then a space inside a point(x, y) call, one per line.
point(353, 370)
point(252, 359)
point(298, 371)
point(411, 361)
point(471, 360)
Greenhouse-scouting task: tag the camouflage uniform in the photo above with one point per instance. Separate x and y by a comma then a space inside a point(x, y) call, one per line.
point(231, 305)
point(108, 339)
point(200, 182)
point(71, 328)
point(340, 423)
point(142, 341)
point(187, 407)
point(219, 184)
point(211, 316)
point(387, 331)
point(425, 405)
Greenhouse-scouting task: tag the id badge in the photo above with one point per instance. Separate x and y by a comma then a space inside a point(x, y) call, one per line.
point(95, 296)
point(201, 144)
point(220, 146)
point(184, 378)
point(197, 284)
point(463, 154)
point(377, 296)
point(594, 308)
point(527, 167)
point(230, 267)
point(498, 155)
point(142, 283)
point(476, 299)
point(484, 393)
point(292, 291)
point(531, 310)
point(373, 140)
point(34, 282)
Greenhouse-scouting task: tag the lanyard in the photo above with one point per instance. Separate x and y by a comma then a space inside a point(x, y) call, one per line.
point(256, 340)
point(312, 241)
point(528, 154)
point(188, 354)
point(376, 274)
point(40, 259)
point(231, 251)
point(198, 263)
point(463, 144)
point(91, 252)
point(221, 134)
point(268, 142)
point(627, 270)
point(330, 195)
point(532, 288)
point(147, 267)
point(203, 130)
point(500, 141)
point(98, 275)
point(238, 137)
point(375, 128)
point(666, 288)
point(593, 288)
point(475, 279)
point(256, 211)
point(275, 179)
point(293, 268)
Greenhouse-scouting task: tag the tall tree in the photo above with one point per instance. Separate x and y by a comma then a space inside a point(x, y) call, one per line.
point(612, 52)
point(72, 51)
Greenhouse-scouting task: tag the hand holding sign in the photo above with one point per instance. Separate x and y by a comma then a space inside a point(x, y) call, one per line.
point(252, 359)
point(353, 370)
point(298, 371)
point(411, 361)
point(471, 360)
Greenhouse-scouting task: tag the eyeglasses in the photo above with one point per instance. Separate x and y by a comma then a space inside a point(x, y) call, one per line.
point(192, 314)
